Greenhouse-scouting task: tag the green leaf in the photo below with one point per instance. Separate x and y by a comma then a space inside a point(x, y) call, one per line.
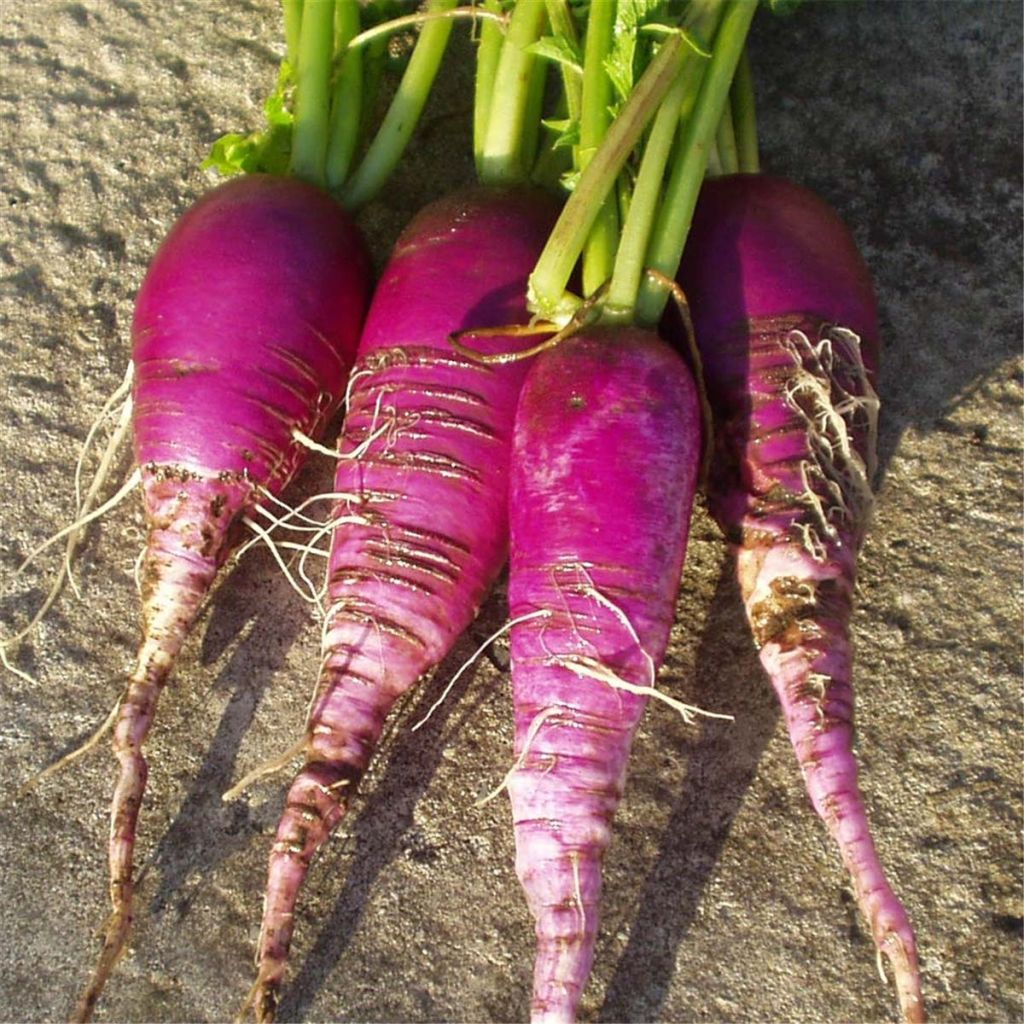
point(267, 151)
point(228, 154)
point(569, 180)
point(699, 48)
point(557, 124)
point(560, 50)
point(660, 31)
point(622, 63)
point(567, 131)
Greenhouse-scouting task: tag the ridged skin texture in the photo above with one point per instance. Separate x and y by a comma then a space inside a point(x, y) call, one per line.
point(605, 458)
point(424, 532)
point(785, 321)
point(778, 249)
point(244, 329)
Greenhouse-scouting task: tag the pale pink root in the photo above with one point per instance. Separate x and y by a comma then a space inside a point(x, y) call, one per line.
point(189, 522)
point(563, 805)
point(605, 456)
point(573, 735)
point(371, 661)
point(418, 545)
point(799, 609)
point(399, 596)
point(792, 490)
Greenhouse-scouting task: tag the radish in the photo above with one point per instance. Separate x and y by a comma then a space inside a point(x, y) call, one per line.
point(785, 318)
point(605, 463)
point(244, 331)
point(421, 519)
point(422, 528)
point(607, 447)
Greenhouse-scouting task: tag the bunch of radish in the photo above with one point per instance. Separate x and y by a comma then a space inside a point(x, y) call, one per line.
point(576, 460)
point(606, 448)
point(245, 329)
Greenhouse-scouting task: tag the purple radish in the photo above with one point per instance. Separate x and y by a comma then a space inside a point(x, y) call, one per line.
point(605, 458)
point(423, 532)
point(244, 331)
point(785, 320)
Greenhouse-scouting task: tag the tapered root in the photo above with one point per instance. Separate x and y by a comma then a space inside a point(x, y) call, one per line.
point(800, 609)
point(115, 935)
point(565, 905)
point(317, 801)
point(564, 790)
point(800, 519)
point(903, 959)
point(189, 523)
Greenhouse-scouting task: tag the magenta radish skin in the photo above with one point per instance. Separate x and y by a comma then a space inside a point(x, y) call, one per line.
point(785, 320)
point(244, 329)
point(424, 532)
point(604, 467)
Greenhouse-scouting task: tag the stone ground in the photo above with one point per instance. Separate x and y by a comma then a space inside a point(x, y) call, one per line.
point(724, 900)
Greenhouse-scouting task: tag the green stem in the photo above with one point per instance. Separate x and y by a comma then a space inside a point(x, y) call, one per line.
point(636, 230)
point(744, 116)
point(400, 120)
point(346, 103)
point(487, 54)
point(532, 116)
point(489, 14)
point(501, 161)
point(548, 280)
point(676, 212)
point(373, 73)
point(714, 167)
point(561, 21)
point(554, 161)
point(658, 150)
point(292, 28)
point(725, 143)
point(312, 83)
point(599, 249)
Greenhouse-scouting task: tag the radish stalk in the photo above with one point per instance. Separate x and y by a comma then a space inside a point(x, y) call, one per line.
point(244, 330)
point(504, 159)
point(606, 454)
point(346, 98)
point(671, 227)
point(403, 114)
point(744, 118)
point(420, 532)
point(312, 81)
point(594, 118)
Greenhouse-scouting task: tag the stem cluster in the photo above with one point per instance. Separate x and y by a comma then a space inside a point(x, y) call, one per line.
point(638, 174)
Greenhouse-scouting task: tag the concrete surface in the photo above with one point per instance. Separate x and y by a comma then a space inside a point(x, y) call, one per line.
point(724, 900)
